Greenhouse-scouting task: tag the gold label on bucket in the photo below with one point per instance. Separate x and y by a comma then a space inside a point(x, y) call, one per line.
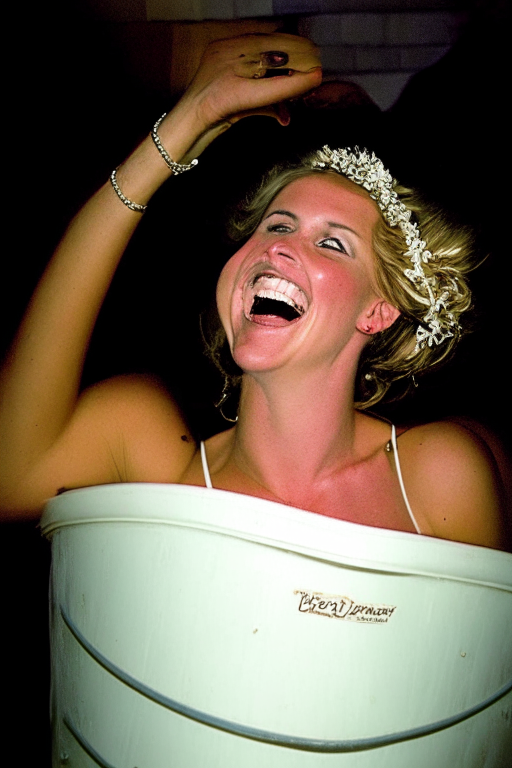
point(344, 608)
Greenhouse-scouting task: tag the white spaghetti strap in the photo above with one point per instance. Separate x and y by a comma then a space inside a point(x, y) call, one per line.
point(206, 471)
point(400, 478)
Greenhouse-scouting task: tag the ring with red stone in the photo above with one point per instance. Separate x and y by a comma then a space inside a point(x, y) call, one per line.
point(274, 58)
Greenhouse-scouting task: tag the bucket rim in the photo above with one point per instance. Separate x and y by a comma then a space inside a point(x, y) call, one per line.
point(277, 525)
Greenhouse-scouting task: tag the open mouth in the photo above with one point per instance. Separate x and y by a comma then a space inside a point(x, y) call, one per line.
point(267, 306)
point(271, 300)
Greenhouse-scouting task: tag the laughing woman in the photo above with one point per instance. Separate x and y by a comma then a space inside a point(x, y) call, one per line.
point(344, 282)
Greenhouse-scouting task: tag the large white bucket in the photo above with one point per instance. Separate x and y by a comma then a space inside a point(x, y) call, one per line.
point(196, 628)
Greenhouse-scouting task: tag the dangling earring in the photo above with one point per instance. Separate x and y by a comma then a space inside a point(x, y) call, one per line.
point(224, 396)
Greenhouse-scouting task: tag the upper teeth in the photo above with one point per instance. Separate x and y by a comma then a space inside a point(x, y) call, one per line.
point(279, 289)
point(277, 296)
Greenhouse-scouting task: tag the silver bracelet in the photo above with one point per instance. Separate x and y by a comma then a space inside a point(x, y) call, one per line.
point(176, 168)
point(129, 203)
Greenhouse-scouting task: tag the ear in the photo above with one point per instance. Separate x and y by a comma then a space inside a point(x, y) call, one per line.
point(379, 316)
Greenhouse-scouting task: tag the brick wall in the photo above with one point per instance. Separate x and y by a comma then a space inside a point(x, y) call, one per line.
point(381, 50)
point(376, 43)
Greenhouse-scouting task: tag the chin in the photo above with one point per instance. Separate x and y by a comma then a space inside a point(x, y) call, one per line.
point(255, 352)
point(252, 360)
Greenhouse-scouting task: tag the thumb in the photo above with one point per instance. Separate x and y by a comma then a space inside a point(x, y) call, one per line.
point(279, 112)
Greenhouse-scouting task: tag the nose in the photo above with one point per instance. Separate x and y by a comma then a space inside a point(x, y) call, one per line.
point(283, 249)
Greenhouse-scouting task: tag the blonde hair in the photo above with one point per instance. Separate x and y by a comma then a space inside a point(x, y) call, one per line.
point(392, 354)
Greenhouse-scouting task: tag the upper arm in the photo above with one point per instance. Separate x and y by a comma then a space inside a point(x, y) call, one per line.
point(454, 485)
point(126, 429)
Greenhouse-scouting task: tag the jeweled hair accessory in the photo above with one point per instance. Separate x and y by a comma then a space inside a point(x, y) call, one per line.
point(369, 172)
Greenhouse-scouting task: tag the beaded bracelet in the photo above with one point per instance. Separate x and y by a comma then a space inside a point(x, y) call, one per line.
point(129, 203)
point(176, 168)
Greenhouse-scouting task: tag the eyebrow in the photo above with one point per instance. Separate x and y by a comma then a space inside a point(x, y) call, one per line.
point(344, 226)
point(333, 224)
point(282, 213)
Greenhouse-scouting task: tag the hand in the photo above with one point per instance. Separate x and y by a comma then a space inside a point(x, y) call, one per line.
point(239, 77)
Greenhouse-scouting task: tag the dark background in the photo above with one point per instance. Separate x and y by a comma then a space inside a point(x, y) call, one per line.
point(74, 111)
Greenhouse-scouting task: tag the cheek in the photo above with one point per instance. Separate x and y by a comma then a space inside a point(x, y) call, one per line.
point(335, 285)
point(224, 293)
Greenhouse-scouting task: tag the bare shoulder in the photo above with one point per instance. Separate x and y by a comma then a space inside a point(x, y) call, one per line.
point(125, 429)
point(130, 394)
point(142, 425)
point(454, 483)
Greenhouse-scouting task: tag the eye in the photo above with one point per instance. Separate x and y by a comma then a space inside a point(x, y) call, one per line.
point(333, 244)
point(279, 228)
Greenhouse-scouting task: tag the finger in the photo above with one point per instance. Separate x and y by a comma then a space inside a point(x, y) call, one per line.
point(302, 53)
point(252, 58)
point(277, 72)
point(253, 69)
point(282, 113)
point(285, 87)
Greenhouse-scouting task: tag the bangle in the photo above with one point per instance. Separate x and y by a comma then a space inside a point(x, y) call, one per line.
point(129, 203)
point(176, 168)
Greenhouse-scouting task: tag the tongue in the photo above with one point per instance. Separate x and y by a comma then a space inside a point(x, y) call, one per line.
point(271, 312)
point(272, 320)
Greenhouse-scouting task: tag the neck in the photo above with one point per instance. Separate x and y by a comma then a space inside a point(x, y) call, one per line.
point(293, 431)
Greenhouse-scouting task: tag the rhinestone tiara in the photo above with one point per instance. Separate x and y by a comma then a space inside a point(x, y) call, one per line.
point(369, 172)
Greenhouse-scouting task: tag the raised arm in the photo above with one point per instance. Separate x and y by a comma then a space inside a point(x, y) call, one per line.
point(49, 436)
